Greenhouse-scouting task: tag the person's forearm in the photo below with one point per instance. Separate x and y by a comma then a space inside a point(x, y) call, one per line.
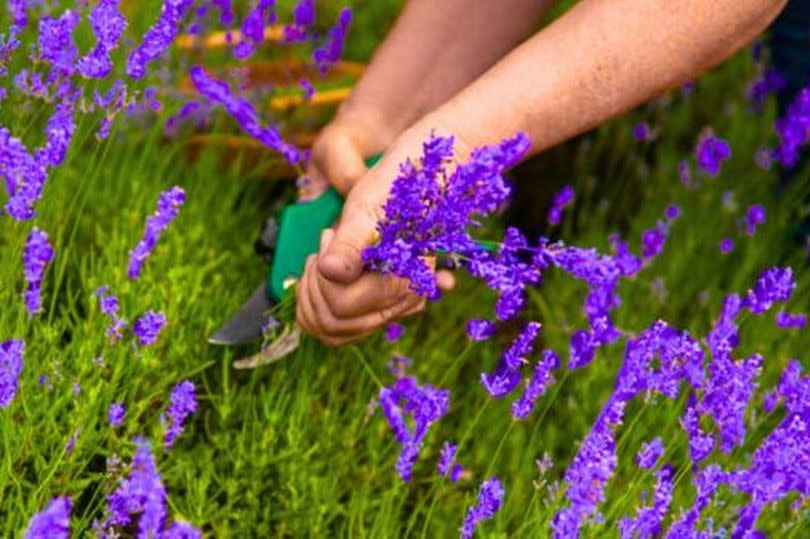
point(433, 51)
point(600, 59)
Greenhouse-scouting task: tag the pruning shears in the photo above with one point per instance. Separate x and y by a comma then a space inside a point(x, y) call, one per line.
point(287, 241)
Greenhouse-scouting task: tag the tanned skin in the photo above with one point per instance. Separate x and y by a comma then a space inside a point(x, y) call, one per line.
point(472, 69)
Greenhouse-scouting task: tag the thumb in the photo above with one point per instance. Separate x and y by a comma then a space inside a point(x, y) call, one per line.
point(341, 163)
point(340, 259)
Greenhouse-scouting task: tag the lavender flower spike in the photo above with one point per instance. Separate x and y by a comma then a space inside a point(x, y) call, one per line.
point(183, 403)
point(710, 153)
point(490, 499)
point(11, 364)
point(168, 207)
point(329, 52)
point(108, 304)
point(447, 463)
point(116, 414)
point(754, 217)
point(537, 385)
point(791, 321)
point(562, 200)
point(37, 254)
point(158, 38)
point(649, 453)
point(53, 522)
point(148, 327)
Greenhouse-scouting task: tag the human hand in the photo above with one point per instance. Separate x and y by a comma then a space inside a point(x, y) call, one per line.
point(337, 301)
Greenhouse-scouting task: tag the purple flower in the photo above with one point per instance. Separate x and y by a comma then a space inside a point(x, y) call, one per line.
point(108, 304)
point(108, 25)
point(425, 405)
point(244, 113)
point(768, 82)
point(647, 522)
point(754, 217)
point(55, 41)
point(764, 158)
point(706, 481)
point(168, 207)
point(424, 216)
point(394, 332)
point(116, 413)
point(37, 254)
point(141, 495)
point(726, 245)
point(562, 199)
point(501, 381)
point(649, 453)
point(307, 87)
point(774, 285)
point(182, 403)
point(446, 464)
point(794, 130)
point(490, 499)
point(11, 362)
point(700, 444)
point(182, 530)
point(652, 241)
point(685, 173)
point(710, 152)
point(158, 38)
point(672, 212)
point(53, 522)
point(148, 327)
point(791, 321)
point(399, 364)
point(330, 50)
point(303, 18)
point(537, 385)
point(642, 132)
point(515, 355)
point(480, 330)
point(71, 443)
point(253, 28)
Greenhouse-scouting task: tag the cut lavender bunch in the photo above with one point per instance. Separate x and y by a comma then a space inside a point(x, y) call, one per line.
point(53, 522)
point(490, 499)
point(11, 364)
point(182, 403)
point(37, 254)
point(168, 207)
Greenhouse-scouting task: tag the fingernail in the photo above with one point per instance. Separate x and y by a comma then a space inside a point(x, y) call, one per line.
point(327, 234)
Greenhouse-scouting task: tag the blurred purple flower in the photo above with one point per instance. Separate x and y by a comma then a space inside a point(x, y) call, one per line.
point(244, 113)
point(424, 404)
point(394, 332)
point(37, 254)
point(774, 285)
point(521, 347)
point(642, 132)
point(115, 414)
point(182, 530)
point(182, 403)
point(141, 495)
point(726, 245)
point(706, 481)
point(399, 364)
point(446, 464)
point(53, 522)
point(158, 38)
point(537, 384)
point(168, 207)
point(307, 87)
point(685, 173)
point(490, 499)
point(55, 41)
point(794, 130)
point(108, 25)
point(755, 216)
point(11, 364)
point(648, 519)
point(253, 28)
point(791, 321)
point(649, 453)
point(562, 199)
point(330, 50)
point(764, 158)
point(768, 82)
point(710, 152)
point(480, 330)
point(303, 18)
point(148, 327)
point(108, 304)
